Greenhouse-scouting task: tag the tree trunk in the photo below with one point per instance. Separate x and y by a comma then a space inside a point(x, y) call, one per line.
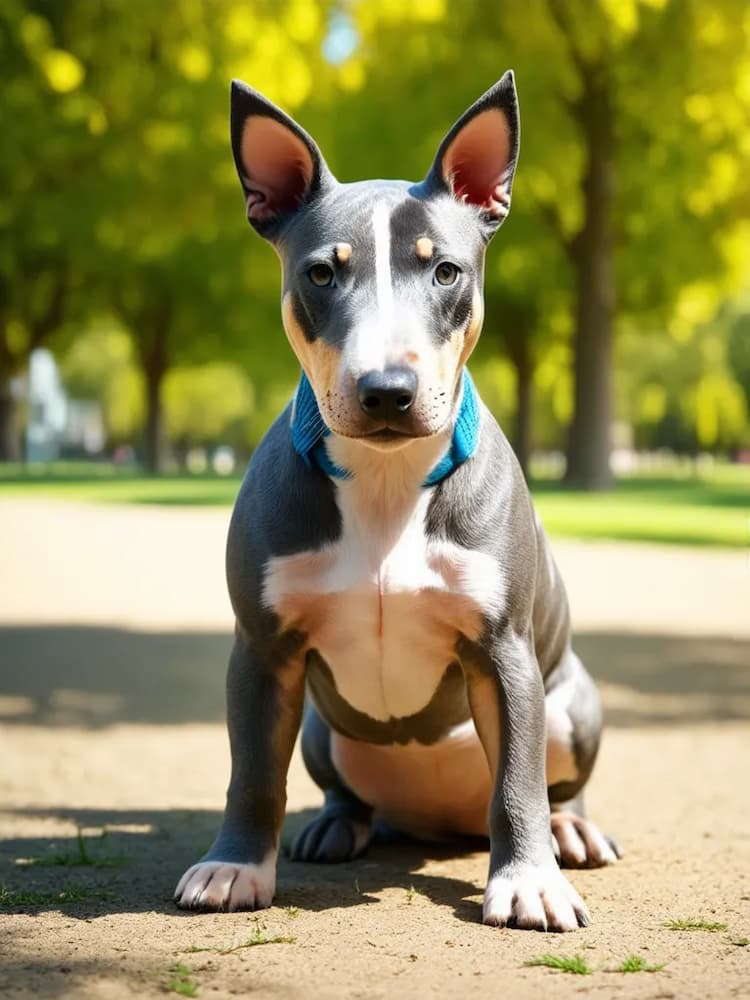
point(10, 439)
point(592, 255)
point(522, 427)
point(154, 361)
point(153, 442)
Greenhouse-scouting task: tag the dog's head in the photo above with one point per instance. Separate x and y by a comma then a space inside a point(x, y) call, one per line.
point(382, 280)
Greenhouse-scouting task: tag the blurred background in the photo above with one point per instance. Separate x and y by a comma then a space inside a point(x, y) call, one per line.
point(142, 357)
point(139, 316)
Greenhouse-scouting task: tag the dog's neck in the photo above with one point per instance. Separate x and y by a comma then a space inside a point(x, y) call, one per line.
point(390, 470)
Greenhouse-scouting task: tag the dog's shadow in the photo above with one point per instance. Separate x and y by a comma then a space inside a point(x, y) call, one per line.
point(392, 861)
point(134, 867)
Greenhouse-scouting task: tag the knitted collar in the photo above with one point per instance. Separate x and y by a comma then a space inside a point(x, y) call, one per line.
point(309, 433)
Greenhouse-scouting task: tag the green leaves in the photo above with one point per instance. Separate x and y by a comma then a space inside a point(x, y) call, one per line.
point(118, 194)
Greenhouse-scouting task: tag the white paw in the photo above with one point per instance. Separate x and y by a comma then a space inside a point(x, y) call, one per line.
point(533, 898)
point(580, 843)
point(222, 885)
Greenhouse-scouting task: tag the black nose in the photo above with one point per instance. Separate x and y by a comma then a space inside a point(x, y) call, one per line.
point(388, 394)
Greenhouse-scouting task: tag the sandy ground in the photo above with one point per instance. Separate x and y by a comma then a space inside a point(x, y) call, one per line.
point(114, 630)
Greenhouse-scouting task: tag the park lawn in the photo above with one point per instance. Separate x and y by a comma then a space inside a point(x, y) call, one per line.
point(637, 516)
point(707, 509)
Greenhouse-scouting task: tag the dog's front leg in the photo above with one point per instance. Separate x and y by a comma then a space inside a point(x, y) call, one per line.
point(264, 708)
point(525, 887)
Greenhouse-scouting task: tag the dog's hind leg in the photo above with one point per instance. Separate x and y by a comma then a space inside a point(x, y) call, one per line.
point(574, 724)
point(341, 830)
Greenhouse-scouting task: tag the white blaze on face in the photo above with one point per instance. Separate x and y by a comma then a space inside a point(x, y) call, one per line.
point(388, 332)
point(367, 345)
point(381, 226)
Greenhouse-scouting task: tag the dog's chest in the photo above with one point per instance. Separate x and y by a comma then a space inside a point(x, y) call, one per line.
point(384, 605)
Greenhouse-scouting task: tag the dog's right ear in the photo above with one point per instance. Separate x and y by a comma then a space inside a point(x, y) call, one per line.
point(280, 167)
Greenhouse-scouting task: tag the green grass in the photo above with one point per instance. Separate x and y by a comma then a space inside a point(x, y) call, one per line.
point(181, 981)
point(694, 925)
point(636, 963)
point(259, 937)
point(709, 509)
point(12, 899)
point(706, 510)
point(576, 964)
point(80, 858)
point(104, 483)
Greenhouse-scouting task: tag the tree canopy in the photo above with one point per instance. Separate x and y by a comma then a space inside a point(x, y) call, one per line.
point(615, 290)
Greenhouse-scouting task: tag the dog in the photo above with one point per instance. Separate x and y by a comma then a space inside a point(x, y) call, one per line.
point(384, 557)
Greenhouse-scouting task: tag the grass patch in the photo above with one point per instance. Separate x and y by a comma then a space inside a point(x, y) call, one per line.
point(11, 899)
point(740, 942)
point(292, 912)
point(259, 937)
point(636, 963)
point(181, 981)
point(91, 482)
point(575, 964)
point(709, 509)
point(80, 858)
point(694, 925)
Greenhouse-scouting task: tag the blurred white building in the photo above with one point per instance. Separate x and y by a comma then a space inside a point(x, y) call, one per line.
point(55, 422)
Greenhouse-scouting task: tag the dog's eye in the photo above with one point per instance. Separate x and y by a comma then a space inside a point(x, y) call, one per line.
point(321, 275)
point(446, 273)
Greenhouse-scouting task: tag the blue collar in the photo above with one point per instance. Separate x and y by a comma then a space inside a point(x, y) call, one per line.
point(309, 433)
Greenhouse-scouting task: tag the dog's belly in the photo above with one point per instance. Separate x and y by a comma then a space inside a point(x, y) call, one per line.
point(428, 791)
point(384, 609)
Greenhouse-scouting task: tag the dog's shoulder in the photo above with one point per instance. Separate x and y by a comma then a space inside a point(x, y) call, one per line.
point(485, 506)
point(284, 506)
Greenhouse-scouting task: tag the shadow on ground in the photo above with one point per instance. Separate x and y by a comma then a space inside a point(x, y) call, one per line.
point(93, 677)
point(144, 853)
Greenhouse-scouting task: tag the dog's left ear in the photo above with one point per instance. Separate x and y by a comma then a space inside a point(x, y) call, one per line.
point(477, 158)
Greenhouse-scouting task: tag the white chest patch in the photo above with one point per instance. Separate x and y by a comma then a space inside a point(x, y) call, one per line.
point(385, 605)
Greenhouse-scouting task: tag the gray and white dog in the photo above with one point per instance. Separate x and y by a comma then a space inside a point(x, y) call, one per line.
point(384, 555)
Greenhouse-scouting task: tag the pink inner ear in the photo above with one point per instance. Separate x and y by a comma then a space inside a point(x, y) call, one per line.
point(277, 166)
point(475, 164)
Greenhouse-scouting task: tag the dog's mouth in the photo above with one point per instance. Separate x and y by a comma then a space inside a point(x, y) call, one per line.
point(388, 434)
point(391, 438)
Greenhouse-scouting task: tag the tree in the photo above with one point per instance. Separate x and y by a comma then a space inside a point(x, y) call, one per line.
point(42, 199)
point(632, 109)
point(512, 326)
point(123, 172)
point(118, 194)
point(738, 353)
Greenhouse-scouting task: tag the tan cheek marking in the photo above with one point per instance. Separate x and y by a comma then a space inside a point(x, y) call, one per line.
point(343, 252)
point(412, 357)
point(319, 360)
point(425, 248)
point(295, 333)
point(455, 353)
point(475, 325)
point(449, 360)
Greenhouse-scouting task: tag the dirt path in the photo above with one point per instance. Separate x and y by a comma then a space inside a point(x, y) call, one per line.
point(114, 628)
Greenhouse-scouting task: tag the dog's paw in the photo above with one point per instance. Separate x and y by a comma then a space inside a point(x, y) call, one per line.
point(223, 885)
point(330, 837)
point(533, 898)
point(579, 843)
